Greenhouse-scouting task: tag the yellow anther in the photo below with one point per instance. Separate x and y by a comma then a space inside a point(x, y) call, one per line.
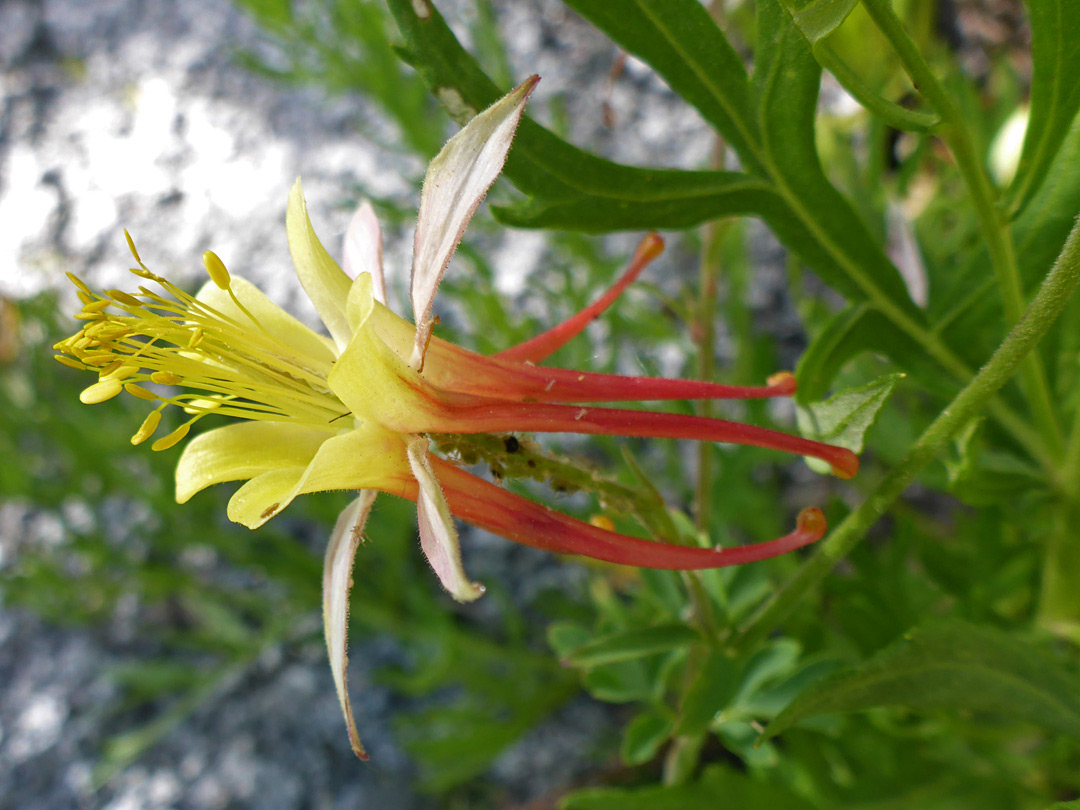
point(166, 378)
point(124, 298)
point(146, 430)
point(97, 306)
point(102, 359)
point(173, 438)
point(109, 369)
point(131, 246)
point(215, 267)
point(142, 272)
point(99, 392)
point(601, 521)
point(67, 361)
point(196, 338)
point(138, 391)
point(123, 372)
point(89, 316)
point(84, 298)
point(78, 282)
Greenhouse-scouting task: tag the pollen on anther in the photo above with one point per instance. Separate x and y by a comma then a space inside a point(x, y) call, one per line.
point(100, 392)
point(173, 438)
point(146, 430)
point(216, 269)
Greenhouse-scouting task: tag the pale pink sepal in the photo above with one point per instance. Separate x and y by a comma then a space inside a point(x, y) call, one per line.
point(362, 249)
point(455, 183)
point(438, 536)
point(337, 582)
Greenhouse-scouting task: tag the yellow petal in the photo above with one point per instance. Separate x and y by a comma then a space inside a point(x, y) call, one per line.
point(337, 581)
point(374, 382)
point(365, 458)
point(277, 322)
point(244, 450)
point(438, 536)
point(325, 283)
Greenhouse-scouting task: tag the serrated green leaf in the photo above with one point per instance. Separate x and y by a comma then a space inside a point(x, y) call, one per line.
point(644, 736)
point(844, 418)
point(951, 665)
point(718, 787)
point(1055, 92)
point(631, 644)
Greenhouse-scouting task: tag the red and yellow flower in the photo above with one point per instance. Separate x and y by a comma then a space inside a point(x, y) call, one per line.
point(354, 410)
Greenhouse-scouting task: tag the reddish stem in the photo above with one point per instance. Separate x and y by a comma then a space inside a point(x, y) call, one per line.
point(543, 345)
point(502, 512)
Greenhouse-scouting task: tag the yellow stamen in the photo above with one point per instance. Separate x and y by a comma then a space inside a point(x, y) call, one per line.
point(78, 282)
point(141, 393)
point(97, 306)
point(131, 246)
point(166, 378)
point(124, 298)
point(99, 392)
point(173, 438)
point(146, 430)
point(215, 267)
point(67, 361)
point(122, 372)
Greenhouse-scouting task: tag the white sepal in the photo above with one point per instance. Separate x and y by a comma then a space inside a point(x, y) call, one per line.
point(438, 537)
point(455, 183)
point(337, 582)
point(362, 249)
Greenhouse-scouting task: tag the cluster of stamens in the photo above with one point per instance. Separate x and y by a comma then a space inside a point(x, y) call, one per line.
point(196, 357)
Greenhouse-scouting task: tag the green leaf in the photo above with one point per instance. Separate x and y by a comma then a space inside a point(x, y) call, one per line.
point(644, 736)
point(573, 188)
point(682, 42)
point(718, 787)
point(819, 18)
point(1073, 805)
point(951, 665)
point(631, 644)
point(844, 418)
point(712, 689)
point(1055, 92)
point(890, 112)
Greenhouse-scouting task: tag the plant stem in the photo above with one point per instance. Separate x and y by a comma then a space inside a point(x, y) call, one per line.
point(992, 222)
point(1044, 309)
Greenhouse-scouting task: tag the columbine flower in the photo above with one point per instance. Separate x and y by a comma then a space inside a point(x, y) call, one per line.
point(353, 411)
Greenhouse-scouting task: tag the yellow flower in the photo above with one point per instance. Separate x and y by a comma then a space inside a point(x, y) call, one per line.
point(353, 411)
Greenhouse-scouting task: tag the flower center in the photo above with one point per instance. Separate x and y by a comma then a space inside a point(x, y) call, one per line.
point(196, 356)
